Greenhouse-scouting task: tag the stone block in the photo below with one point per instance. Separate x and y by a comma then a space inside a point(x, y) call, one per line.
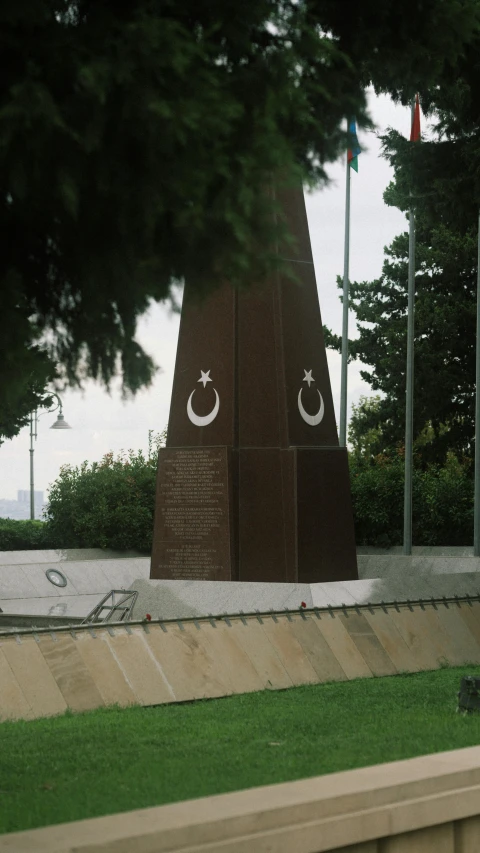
point(289, 650)
point(464, 647)
point(34, 677)
point(417, 635)
point(471, 616)
point(187, 661)
point(261, 652)
point(69, 671)
point(392, 641)
point(368, 644)
point(345, 650)
point(108, 676)
point(233, 668)
point(13, 703)
point(316, 650)
point(467, 835)
point(431, 839)
point(141, 669)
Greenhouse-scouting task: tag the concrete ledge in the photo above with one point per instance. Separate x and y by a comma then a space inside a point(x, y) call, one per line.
point(167, 599)
point(395, 565)
point(16, 620)
point(90, 574)
point(424, 804)
point(420, 550)
point(62, 555)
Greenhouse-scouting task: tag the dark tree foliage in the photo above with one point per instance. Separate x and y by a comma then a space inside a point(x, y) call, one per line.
point(445, 318)
point(137, 140)
point(440, 178)
point(442, 175)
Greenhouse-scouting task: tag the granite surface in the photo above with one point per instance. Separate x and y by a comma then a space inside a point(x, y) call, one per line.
point(86, 577)
point(64, 555)
point(420, 550)
point(24, 588)
point(164, 599)
point(68, 605)
point(395, 565)
point(167, 599)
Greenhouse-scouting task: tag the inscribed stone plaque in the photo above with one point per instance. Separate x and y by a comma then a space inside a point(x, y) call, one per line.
point(192, 529)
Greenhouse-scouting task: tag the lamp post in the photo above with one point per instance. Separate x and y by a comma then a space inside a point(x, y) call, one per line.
point(60, 423)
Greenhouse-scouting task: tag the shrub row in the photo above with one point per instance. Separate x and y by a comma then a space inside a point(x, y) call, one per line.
point(442, 502)
point(23, 535)
point(110, 504)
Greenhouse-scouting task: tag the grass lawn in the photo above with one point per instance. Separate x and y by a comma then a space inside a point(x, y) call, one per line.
point(111, 760)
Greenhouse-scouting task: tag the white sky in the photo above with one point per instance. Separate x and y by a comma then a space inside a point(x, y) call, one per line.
point(101, 423)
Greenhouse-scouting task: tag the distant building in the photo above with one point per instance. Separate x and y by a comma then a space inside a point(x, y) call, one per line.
point(19, 510)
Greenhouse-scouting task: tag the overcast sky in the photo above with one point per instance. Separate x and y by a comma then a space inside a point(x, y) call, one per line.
point(101, 423)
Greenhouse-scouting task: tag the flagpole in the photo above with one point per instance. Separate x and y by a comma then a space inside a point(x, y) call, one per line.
point(476, 500)
point(407, 503)
point(346, 259)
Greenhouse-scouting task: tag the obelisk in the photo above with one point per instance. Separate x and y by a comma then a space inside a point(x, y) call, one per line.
point(252, 484)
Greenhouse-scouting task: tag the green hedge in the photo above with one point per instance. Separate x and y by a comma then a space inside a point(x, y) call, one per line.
point(442, 502)
point(107, 504)
point(110, 504)
point(23, 535)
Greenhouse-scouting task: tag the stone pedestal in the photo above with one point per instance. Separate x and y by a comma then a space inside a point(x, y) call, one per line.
point(252, 485)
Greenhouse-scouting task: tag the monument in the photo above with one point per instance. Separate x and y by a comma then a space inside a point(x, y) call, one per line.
point(252, 485)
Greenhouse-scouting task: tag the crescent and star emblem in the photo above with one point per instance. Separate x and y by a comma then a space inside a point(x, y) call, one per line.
point(311, 420)
point(197, 420)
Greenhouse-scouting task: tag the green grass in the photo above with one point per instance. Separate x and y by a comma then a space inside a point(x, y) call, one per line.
point(112, 760)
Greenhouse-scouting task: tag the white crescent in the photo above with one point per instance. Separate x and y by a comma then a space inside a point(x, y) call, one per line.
point(311, 420)
point(207, 419)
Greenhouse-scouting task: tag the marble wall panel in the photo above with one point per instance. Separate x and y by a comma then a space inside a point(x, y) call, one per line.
point(262, 653)
point(392, 641)
point(69, 671)
point(368, 644)
point(141, 669)
point(187, 661)
point(34, 677)
point(289, 650)
point(232, 666)
point(317, 650)
point(109, 678)
point(464, 647)
point(13, 703)
point(416, 633)
point(346, 652)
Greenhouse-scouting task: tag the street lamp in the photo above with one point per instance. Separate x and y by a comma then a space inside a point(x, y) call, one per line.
point(60, 423)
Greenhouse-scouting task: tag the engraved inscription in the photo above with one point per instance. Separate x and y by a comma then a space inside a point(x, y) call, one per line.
point(192, 500)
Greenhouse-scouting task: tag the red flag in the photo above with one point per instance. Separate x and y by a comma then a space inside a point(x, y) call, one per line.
point(415, 132)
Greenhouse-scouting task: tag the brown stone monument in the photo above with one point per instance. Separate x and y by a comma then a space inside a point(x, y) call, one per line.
point(252, 485)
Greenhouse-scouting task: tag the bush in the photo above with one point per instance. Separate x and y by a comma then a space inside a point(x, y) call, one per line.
point(442, 502)
point(443, 508)
point(110, 504)
point(107, 504)
point(23, 535)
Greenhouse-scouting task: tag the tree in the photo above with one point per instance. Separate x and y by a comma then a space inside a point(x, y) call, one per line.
point(442, 501)
point(28, 371)
point(445, 332)
point(365, 434)
point(440, 177)
point(106, 504)
point(137, 140)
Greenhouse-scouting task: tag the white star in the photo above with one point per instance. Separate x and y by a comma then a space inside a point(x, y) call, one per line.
point(308, 377)
point(205, 377)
